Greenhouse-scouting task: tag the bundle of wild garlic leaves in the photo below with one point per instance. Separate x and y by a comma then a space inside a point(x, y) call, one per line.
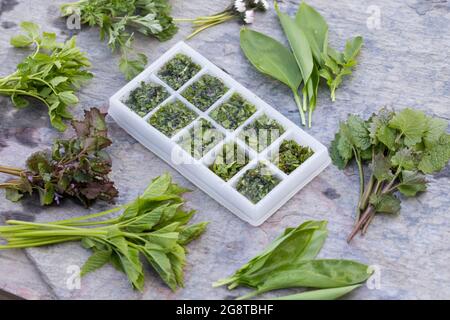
point(153, 226)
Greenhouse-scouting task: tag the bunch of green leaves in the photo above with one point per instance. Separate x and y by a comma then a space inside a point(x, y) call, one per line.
point(146, 97)
point(178, 71)
point(205, 91)
point(172, 117)
point(234, 112)
point(308, 59)
point(229, 161)
point(261, 133)
point(200, 139)
point(290, 262)
point(256, 183)
point(154, 226)
point(291, 155)
point(400, 148)
point(119, 20)
point(77, 167)
point(50, 75)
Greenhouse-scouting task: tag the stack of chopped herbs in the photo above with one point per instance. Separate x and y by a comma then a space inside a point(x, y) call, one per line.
point(291, 155)
point(233, 112)
point(146, 97)
point(200, 139)
point(230, 160)
point(205, 91)
point(178, 71)
point(172, 117)
point(261, 133)
point(256, 183)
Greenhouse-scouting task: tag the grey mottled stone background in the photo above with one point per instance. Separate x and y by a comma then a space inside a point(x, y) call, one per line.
point(404, 63)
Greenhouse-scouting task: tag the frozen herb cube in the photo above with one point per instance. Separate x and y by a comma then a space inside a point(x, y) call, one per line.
point(205, 91)
point(256, 183)
point(233, 112)
point(200, 139)
point(146, 97)
point(261, 133)
point(178, 71)
point(172, 117)
point(230, 160)
point(291, 155)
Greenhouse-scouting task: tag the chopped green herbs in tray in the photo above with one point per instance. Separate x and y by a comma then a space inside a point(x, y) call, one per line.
point(291, 155)
point(200, 139)
point(257, 183)
point(233, 112)
point(261, 133)
point(178, 71)
point(172, 117)
point(205, 91)
point(146, 97)
point(230, 160)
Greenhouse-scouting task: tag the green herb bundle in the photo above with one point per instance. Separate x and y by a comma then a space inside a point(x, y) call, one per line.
point(234, 112)
point(256, 183)
point(229, 161)
point(290, 262)
point(205, 91)
point(146, 97)
point(309, 59)
point(50, 75)
point(77, 167)
point(119, 20)
point(153, 226)
point(399, 148)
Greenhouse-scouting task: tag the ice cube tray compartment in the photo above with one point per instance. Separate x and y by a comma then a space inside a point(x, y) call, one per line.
point(198, 169)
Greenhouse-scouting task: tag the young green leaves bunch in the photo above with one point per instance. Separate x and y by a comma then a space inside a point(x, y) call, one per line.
point(50, 75)
point(400, 148)
point(309, 58)
point(154, 226)
point(77, 167)
point(290, 262)
point(242, 10)
point(119, 20)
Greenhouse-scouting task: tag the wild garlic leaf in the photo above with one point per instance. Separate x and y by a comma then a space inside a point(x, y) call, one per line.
point(322, 294)
point(271, 57)
point(412, 124)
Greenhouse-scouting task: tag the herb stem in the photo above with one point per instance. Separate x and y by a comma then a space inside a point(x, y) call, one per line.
point(197, 31)
point(300, 108)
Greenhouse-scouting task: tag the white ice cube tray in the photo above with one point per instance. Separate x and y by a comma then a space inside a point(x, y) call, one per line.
point(198, 170)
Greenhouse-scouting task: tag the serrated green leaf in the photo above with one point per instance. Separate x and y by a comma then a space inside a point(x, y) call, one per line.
point(382, 168)
point(97, 260)
point(132, 67)
point(385, 203)
point(437, 157)
point(191, 233)
point(338, 160)
point(412, 124)
point(436, 128)
point(404, 159)
point(412, 183)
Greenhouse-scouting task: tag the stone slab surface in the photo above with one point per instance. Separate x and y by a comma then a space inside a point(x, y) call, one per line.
point(404, 63)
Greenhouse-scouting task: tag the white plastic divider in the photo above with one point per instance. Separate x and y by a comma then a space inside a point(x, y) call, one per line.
point(197, 170)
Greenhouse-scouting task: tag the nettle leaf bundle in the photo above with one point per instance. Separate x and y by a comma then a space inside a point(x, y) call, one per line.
point(50, 75)
point(309, 58)
point(77, 167)
point(400, 148)
point(154, 226)
point(119, 20)
point(290, 262)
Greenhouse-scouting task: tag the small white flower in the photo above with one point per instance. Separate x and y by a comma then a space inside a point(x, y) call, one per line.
point(264, 4)
point(240, 6)
point(249, 16)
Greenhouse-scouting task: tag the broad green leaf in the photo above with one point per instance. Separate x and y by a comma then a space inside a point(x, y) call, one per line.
point(131, 68)
point(358, 132)
point(382, 168)
point(335, 154)
point(352, 48)
point(404, 159)
point(437, 157)
point(315, 28)
point(13, 194)
point(298, 42)
point(412, 183)
point(58, 80)
point(32, 29)
point(177, 258)
point(68, 97)
point(162, 265)
point(132, 266)
point(97, 260)
point(322, 294)
point(436, 127)
point(412, 124)
point(385, 203)
point(271, 58)
point(21, 41)
point(191, 233)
